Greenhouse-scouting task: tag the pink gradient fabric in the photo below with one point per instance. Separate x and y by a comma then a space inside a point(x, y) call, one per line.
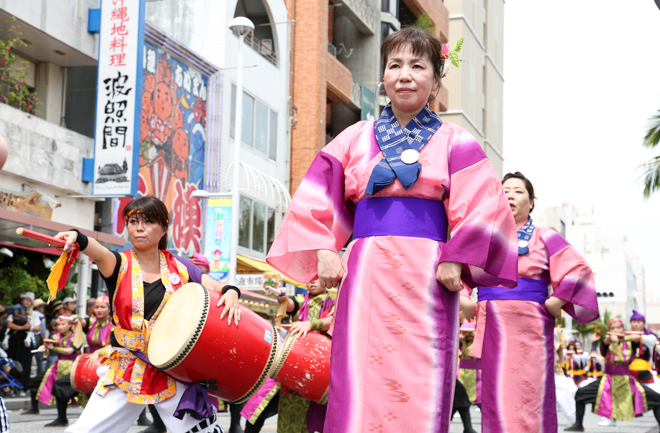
point(395, 333)
point(514, 338)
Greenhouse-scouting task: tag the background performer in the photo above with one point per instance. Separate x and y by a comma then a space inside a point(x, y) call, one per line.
point(392, 183)
point(310, 312)
point(518, 387)
point(616, 395)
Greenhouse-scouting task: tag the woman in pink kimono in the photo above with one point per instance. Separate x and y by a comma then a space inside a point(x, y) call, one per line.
point(398, 190)
point(515, 328)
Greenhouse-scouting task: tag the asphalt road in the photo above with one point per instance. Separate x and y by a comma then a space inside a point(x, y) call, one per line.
point(35, 423)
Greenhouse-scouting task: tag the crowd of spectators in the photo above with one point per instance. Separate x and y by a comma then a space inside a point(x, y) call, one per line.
point(23, 327)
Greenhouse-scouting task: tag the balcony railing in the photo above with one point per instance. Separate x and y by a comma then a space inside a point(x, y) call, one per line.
point(356, 94)
point(332, 49)
point(361, 14)
point(259, 47)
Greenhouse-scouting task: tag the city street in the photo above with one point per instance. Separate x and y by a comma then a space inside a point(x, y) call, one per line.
point(32, 424)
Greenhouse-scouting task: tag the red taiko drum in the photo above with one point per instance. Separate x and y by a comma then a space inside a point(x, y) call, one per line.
point(192, 344)
point(84, 377)
point(303, 366)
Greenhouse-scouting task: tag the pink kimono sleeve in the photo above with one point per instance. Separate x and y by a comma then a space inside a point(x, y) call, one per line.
point(483, 232)
point(571, 277)
point(318, 216)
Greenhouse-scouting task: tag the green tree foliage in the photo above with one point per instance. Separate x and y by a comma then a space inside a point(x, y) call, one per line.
point(15, 278)
point(13, 90)
point(425, 22)
point(651, 168)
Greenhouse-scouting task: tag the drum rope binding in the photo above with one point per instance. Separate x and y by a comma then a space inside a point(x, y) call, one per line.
point(195, 337)
point(284, 354)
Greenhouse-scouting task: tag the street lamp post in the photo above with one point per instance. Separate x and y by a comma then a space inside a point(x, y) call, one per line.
point(242, 26)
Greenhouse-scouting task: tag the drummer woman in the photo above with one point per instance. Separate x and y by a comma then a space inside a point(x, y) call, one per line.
point(140, 281)
point(518, 386)
point(399, 185)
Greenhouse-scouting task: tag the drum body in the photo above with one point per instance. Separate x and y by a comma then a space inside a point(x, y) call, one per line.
point(192, 344)
point(84, 377)
point(303, 366)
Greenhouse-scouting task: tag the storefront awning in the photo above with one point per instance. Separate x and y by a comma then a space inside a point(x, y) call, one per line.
point(251, 266)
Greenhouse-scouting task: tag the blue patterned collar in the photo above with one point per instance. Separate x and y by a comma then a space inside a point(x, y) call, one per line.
point(393, 141)
point(524, 235)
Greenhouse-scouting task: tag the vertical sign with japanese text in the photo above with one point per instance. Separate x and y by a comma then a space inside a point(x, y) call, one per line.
point(118, 103)
point(217, 241)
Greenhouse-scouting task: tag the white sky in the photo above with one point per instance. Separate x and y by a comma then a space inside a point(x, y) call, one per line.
point(582, 79)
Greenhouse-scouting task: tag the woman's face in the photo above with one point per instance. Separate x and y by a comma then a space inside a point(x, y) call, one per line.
point(518, 198)
point(63, 326)
point(26, 302)
point(616, 327)
point(409, 80)
point(314, 288)
point(578, 347)
point(101, 310)
point(143, 232)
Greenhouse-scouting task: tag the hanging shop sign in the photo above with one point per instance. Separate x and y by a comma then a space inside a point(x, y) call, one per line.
point(31, 204)
point(217, 242)
point(118, 97)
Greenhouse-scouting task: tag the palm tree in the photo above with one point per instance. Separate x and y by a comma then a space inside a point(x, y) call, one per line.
point(651, 168)
point(601, 327)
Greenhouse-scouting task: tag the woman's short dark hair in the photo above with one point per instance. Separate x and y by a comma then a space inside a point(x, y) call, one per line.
point(421, 42)
point(528, 185)
point(152, 208)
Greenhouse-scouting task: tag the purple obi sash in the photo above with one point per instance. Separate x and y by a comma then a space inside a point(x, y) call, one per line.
point(617, 370)
point(71, 357)
point(527, 290)
point(471, 364)
point(400, 216)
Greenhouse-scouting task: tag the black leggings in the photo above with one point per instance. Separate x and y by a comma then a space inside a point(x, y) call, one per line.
point(589, 393)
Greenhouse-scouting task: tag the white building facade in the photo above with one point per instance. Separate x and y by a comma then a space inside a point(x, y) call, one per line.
point(618, 273)
point(202, 25)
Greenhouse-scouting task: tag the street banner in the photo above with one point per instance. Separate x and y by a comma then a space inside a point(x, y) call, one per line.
point(217, 237)
point(368, 103)
point(118, 103)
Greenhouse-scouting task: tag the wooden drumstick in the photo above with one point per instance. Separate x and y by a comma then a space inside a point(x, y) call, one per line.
point(616, 333)
point(41, 237)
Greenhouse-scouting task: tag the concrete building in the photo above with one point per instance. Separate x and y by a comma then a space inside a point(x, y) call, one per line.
point(41, 184)
point(335, 58)
point(476, 89)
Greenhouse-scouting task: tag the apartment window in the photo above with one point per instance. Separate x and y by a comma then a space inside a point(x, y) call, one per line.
point(386, 30)
point(259, 128)
point(256, 226)
point(391, 6)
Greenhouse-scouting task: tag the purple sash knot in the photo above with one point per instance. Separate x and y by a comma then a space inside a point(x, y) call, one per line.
point(617, 369)
point(400, 216)
point(195, 399)
point(527, 290)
